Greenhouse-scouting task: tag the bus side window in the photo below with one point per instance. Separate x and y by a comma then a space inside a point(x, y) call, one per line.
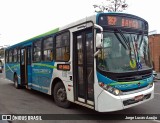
point(62, 47)
point(6, 56)
point(66, 54)
point(37, 51)
point(51, 55)
point(48, 49)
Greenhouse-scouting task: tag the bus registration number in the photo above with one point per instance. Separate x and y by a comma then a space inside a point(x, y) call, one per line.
point(138, 98)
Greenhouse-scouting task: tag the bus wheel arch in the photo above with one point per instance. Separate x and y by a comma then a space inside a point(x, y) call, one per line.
point(54, 82)
point(59, 93)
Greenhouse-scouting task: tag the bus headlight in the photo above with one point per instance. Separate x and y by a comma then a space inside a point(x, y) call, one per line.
point(117, 92)
point(150, 85)
point(110, 89)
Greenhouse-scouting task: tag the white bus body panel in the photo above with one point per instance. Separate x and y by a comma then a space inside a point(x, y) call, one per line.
point(107, 102)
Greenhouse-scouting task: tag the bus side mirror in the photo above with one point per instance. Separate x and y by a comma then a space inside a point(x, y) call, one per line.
point(99, 39)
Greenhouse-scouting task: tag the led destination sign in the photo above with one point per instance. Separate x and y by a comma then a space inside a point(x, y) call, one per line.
point(120, 21)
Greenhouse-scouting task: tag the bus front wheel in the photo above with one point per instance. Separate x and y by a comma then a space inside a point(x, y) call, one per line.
point(60, 96)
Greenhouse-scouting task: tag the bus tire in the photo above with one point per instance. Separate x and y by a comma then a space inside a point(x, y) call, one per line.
point(60, 96)
point(16, 85)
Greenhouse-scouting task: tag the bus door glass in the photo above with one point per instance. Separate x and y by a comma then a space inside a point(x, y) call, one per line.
point(23, 67)
point(83, 67)
point(25, 64)
point(29, 68)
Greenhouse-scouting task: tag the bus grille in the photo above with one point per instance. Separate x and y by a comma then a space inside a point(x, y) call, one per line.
point(133, 78)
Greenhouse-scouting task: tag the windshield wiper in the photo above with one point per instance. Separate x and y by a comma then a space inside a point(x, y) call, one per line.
point(128, 44)
point(120, 40)
point(141, 39)
point(125, 40)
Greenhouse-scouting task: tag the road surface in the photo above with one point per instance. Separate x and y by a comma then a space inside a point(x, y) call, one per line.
point(23, 101)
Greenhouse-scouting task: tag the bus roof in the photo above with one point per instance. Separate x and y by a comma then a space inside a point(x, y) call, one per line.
point(44, 34)
point(93, 18)
point(35, 38)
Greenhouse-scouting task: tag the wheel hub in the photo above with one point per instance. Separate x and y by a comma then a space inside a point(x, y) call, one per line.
point(61, 94)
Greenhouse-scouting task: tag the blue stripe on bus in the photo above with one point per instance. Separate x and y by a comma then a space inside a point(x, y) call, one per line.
point(124, 86)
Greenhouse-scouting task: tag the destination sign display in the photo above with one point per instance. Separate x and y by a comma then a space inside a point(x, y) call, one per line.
point(65, 67)
point(121, 21)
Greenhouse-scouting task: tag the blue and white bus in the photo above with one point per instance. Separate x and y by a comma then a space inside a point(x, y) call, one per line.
point(101, 62)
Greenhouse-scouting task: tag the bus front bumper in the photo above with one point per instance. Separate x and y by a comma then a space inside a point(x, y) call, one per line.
point(108, 102)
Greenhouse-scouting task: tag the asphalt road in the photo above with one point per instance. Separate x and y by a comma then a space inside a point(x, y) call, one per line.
point(23, 101)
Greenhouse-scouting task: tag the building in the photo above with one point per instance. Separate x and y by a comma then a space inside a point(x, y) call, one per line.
point(154, 44)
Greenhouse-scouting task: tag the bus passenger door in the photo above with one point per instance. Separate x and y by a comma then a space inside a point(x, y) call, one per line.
point(83, 67)
point(23, 66)
point(29, 68)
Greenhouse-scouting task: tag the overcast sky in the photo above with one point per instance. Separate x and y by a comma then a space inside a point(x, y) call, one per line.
point(23, 19)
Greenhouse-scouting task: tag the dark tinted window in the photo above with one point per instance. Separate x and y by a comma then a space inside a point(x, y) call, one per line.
point(62, 47)
point(18, 59)
point(6, 56)
point(10, 55)
point(15, 55)
point(37, 51)
point(29, 55)
point(48, 49)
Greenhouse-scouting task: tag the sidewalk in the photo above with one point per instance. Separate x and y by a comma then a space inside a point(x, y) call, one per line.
point(2, 75)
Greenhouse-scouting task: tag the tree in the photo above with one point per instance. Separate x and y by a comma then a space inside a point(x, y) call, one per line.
point(111, 6)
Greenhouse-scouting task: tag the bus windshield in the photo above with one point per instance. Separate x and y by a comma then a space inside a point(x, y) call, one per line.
point(123, 52)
